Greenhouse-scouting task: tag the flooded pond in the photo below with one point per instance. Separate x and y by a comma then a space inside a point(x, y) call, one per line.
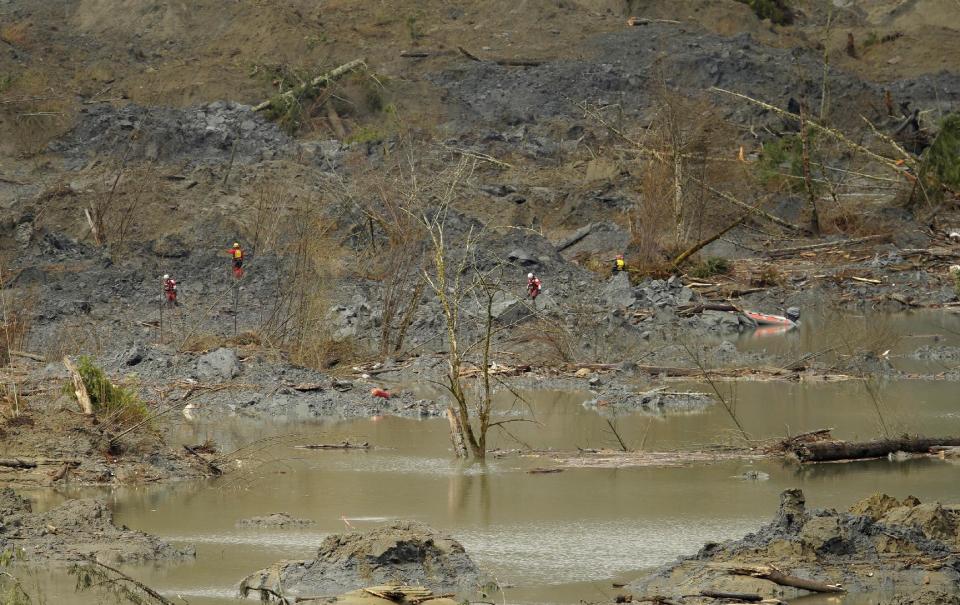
point(555, 538)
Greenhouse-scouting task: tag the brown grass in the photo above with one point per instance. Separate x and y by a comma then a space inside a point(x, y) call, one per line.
point(16, 34)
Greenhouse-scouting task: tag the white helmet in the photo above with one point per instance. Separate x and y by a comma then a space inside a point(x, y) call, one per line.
point(165, 276)
point(529, 275)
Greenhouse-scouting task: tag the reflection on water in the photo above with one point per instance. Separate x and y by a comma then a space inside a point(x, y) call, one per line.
point(825, 331)
point(554, 538)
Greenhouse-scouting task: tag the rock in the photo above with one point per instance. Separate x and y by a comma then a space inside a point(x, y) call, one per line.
point(406, 552)
point(595, 381)
point(755, 476)
point(618, 292)
point(522, 257)
point(134, 355)
point(221, 364)
point(582, 373)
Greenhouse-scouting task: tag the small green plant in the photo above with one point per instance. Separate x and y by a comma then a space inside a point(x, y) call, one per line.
point(366, 134)
point(778, 11)
point(413, 28)
point(713, 265)
point(6, 81)
point(121, 404)
point(871, 39)
point(942, 159)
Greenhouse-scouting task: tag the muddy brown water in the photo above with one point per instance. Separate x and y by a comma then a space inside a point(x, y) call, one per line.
point(554, 538)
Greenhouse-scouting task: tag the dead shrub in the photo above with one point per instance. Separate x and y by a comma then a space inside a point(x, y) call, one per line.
point(74, 339)
point(327, 353)
point(202, 343)
point(767, 276)
point(553, 343)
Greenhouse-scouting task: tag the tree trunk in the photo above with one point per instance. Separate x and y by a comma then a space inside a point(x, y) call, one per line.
point(79, 389)
point(807, 178)
point(832, 451)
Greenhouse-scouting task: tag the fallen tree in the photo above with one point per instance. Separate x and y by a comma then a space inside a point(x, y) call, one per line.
point(322, 80)
point(838, 451)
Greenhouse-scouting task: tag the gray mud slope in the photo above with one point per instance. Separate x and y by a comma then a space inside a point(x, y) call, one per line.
point(75, 530)
point(405, 552)
point(879, 545)
point(215, 132)
point(625, 68)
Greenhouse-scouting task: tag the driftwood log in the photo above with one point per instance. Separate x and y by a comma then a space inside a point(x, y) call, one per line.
point(771, 573)
point(836, 451)
point(574, 237)
point(784, 252)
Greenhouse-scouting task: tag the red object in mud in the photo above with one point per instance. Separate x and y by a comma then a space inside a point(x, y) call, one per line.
point(763, 319)
point(380, 393)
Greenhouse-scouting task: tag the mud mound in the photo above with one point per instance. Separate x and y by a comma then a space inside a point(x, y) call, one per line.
point(882, 543)
point(277, 520)
point(405, 552)
point(210, 133)
point(75, 530)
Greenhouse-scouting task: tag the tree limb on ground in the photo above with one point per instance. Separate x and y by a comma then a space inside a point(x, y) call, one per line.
point(322, 80)
point(781, 252)
point(35, 462)
point(771, 573)
point(504, 62)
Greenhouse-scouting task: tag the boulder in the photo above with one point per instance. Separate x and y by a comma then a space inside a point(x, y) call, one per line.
point(221, 364)
point(618, 292)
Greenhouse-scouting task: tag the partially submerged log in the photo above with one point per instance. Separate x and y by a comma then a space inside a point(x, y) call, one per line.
point(771, 573)
point(837, 451)
point(215, 470)
point(346, 445)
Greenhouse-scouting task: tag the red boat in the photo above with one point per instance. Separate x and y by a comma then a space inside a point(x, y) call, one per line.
point(763, 319)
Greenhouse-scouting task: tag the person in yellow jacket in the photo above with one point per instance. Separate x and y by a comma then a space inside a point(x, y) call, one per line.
point(619, 264)
point(236, 255)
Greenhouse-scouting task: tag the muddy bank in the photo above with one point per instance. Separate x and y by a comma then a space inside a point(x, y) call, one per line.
point(56, 445)
point(75, 530)
point(881, 546)
point(405, 552)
